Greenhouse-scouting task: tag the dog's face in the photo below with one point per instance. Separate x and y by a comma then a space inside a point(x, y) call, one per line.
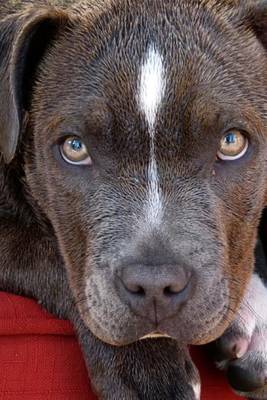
point(146, 151)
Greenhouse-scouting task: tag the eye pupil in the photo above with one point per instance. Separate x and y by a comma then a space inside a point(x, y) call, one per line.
point(230, 138)
point(76, 145)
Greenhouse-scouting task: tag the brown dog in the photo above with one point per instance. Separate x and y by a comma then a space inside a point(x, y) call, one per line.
point(133, 178)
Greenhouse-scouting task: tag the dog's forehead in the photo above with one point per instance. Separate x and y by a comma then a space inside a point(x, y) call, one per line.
point(155, 65)
point(148, 60)
point(141, 81)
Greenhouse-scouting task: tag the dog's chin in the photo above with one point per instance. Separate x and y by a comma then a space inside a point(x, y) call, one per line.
point(120, 338)
point(134, 337)
point(131, 339)
point(127, 342)
point(186, 332)
point(123, 338)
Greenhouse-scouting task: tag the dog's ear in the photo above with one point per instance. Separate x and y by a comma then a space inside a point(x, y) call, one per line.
point(257, 19)
point(255, 15)
point(24, 38)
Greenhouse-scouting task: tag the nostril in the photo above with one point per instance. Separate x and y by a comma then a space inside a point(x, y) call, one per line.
point(136, 289)
point(133, 288)
point(177, 288)
point(171, 290)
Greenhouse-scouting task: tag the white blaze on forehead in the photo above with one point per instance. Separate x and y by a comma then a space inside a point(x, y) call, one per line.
point(151, 93)
point(152, 86)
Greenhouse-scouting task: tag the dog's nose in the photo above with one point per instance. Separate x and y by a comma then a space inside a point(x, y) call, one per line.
point(155, 292)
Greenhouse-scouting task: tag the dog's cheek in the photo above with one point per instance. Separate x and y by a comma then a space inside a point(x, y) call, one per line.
point(241, 244)
point(92, 284)
point(241, 194)
point(77, 234)
point(240, 273)
point(103, 312)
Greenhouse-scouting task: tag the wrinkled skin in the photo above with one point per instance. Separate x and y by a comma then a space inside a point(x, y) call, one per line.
point(77, 72)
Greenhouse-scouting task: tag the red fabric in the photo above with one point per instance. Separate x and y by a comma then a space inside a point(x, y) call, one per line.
point(41, 360)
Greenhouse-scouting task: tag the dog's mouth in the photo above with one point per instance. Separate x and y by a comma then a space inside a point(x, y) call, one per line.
point(171, 332)
point(156, 335)
point(187, 327)
point(166, 333)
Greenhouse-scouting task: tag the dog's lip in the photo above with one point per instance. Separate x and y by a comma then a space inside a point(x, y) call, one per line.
point(155, 335)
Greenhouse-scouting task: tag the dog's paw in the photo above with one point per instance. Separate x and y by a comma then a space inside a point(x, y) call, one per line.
point(119, 393)
point(148, 370)
point(172, 390)
point(242, 350)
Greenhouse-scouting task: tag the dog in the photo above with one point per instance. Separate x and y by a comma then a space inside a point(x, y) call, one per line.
point(133, 182)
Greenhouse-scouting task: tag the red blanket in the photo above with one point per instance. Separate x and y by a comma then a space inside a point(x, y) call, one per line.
point(40, 358)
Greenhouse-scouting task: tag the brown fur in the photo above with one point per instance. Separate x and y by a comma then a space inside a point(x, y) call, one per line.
point(73, 70)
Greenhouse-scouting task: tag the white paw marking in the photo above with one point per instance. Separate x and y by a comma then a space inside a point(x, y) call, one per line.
point(253, 312)
point(151, 93)
point(197, 390)
point(251, 323)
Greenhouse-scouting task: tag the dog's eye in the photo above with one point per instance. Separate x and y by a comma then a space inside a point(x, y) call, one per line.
point(74, 151)
point(233, 146)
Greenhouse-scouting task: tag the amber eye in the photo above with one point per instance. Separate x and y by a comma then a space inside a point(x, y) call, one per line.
point(74, 151)
point(233, 146)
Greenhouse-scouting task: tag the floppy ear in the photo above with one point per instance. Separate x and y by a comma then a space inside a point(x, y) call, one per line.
point(258, 19)
point(255, 15)
point(23, 40)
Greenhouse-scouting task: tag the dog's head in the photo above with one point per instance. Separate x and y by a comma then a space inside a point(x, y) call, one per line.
point(145, 147)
